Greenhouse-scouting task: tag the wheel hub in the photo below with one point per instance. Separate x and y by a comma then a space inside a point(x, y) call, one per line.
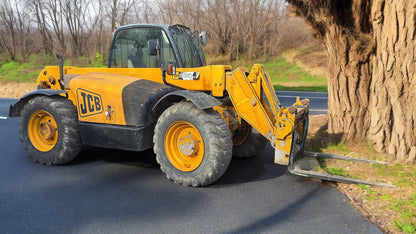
point(188, 145)
point(47, 130)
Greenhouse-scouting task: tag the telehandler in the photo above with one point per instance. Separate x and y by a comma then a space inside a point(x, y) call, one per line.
point(158, 92)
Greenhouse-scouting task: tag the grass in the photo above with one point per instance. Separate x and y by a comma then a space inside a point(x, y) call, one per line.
point(407, 210)
point(12, 71)
point(289, 76)
point(386, 197)
point(29, 70)
point(364, 186)
point(338, 171)
point(407, 227)
point(340, 146)
point(372, 195)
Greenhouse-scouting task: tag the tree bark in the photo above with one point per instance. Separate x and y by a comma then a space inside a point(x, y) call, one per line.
point(371, 70)
point(393, 111)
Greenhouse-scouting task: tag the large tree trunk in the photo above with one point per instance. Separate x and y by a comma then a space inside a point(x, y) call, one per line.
point(371, 59)
point(393, 107)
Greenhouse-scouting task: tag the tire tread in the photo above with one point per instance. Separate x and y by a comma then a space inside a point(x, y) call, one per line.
point(218, 137)
point(65, 114)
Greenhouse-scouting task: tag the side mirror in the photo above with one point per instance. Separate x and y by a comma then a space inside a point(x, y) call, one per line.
point(203, 38)
point(152, 47)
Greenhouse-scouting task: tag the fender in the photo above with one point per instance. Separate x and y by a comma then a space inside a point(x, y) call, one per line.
point(17, 107)
point(139, 98)
point(199, 99)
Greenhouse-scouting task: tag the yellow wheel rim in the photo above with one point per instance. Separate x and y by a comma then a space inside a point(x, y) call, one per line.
point(184, 146)
point(43, 131)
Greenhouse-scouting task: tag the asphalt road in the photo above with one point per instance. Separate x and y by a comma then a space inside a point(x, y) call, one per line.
point(318, 100)
point(108, 191)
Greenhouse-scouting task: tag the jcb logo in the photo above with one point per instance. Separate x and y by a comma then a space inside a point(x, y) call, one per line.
point(89, 103)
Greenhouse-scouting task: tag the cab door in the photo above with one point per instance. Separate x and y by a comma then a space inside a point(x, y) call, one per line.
point(133, 47)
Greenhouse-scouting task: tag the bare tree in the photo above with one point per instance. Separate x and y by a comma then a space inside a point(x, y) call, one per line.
point(8, 34)
point(118, 11)
point(25, 29)
point(54, 11)
point(219, 23)
point(145, 12)
point(38, 8)
point(80, 20)
point(17, 29)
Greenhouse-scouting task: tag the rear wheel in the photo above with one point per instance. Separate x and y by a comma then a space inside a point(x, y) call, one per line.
point(247, 141)
point(192, 146)
point(48, 129)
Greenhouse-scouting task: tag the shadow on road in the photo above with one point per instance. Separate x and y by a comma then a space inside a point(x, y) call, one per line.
point(249, 170)
point(239, 171)
point(144, 159)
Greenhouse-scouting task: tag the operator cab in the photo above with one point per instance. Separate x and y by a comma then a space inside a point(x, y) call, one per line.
point(156, 46)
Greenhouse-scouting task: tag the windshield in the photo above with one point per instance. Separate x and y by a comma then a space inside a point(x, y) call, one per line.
point(188, 46)
point(130, 48)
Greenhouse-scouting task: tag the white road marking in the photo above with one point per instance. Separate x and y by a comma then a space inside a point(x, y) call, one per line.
point(285, 96)
point(317, 109)
point(2, 117)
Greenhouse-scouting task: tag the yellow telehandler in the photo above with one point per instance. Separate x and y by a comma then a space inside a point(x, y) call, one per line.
point(158, 92)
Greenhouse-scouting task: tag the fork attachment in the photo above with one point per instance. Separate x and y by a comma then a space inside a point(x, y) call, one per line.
point(294, 169)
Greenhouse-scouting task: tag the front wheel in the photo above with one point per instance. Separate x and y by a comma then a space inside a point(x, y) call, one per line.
point(192, 146)
point(48, 129)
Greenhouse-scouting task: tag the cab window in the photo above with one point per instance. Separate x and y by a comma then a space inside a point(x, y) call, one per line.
point(130, 48)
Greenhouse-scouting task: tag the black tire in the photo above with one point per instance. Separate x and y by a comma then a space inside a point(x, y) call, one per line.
point(65, 141)
point(250, 144)
point(215, 139)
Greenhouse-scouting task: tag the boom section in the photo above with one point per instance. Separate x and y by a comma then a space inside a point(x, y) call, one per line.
point(255, 100)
